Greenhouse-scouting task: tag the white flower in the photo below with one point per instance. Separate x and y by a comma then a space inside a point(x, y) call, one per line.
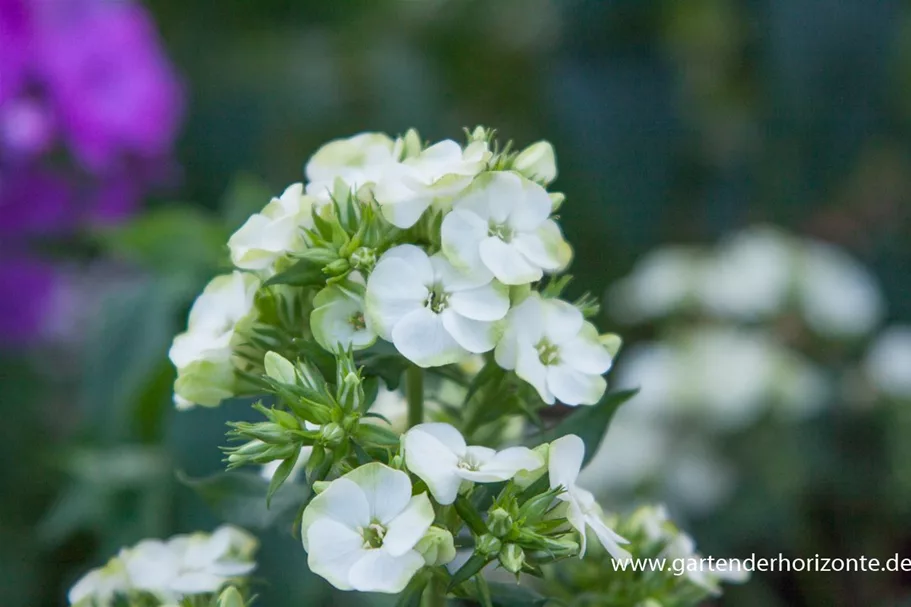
point(100, 586)
point(550, 346)
point(661, 283)
point(273, 232)
point(698, 571)
point(433, 314)
point(564, 461)
point(338, 318)
point(501, 225)
point(202, 354)
point(188, 565)
point(357, 161)
point(537, 162)
point(437, 173)
point(888, 363)
point(839, 297)
point(360, 533)
point(438, 455)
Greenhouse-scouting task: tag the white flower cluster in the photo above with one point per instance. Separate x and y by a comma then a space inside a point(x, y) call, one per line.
point(464, 233)
point(888, 363)
point(366, 530)
point(185, 566)
point(756, 274)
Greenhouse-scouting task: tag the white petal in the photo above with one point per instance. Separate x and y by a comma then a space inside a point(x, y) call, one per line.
point(494, 196)
point(462, 232)
point(407, 529)
point(342, 501)
point(379, 571)
point(490, 302)
point(474, 335)
point(196, 582)
point(530, 368)
point(454, 279)
point(609, 538)
point(577, 519)
point(544, 247)
point(421, 338)
point(507, 263)
point(574, 387)
point(524, 324)
point(451, 438)
point(396, 287)
point(532, 209)
point(334, 550)
point(562, 320)
point(564, 461)
point(479, 455)
point(433, 462)
point(586, 354)
point(387, 491)
point(509, 461)
point(405, 213)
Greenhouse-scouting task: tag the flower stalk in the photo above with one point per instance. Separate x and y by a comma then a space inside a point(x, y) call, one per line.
point(414, 391)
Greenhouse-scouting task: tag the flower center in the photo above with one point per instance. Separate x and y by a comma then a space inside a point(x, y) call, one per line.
point(357, 321)
point(438, 300)
point(502, 231)
point(548, 353)
point(373, 535)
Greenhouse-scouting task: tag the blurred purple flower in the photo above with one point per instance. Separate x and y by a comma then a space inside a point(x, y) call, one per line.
point(28, 286)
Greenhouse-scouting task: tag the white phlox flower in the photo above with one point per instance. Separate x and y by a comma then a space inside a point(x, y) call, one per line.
point(274, 231)
point(564, 461)
point(682, 549)
point(549, 344)
point(338, 319)
point(438, 455)
point(502, 225)
point(360, 533)
point(357, 161)
point(99, 587)
point(202, 354)
point(188, 565)
point(436, 174)
point(434, 314)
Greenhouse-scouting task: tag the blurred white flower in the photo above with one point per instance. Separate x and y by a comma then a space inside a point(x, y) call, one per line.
point(501, 226)
point(360, 533)
point(357, 161)
point(436, 174)
point(564, 461)
point(682, 549)
point(749, 275)
point(202, 354)
point(661, 283)
point(838, 296)
point(888, 362)
point(549, 344)
point(438, 455)
point(434, 314)
point(274, 231)
point(338, 319)
point(99, 587)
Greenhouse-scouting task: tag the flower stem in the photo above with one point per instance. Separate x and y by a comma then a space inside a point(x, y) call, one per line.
point(414, 390)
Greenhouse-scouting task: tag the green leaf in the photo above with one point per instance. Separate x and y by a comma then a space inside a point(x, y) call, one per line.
point(514, 595)
point(588, 423)
point(304, 273)
point(281, 475)
point(240, 498)
point(411, 596)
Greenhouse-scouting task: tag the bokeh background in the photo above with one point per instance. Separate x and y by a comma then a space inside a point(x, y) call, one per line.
point(135, 138)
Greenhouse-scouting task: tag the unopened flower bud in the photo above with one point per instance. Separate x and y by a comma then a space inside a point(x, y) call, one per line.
point(279, 368)
point(231, 597)
point(499, 522)
point(537, 162)
point(488, 544)
point(437, 547)
point(331, 434)
point(363, 258)
point(245, 452)
point(337, 267)
point(320, 486)
point(512, 557)
point(611, 342)
point(556, 201)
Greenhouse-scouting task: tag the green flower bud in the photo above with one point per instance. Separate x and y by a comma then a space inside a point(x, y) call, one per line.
point(499, 522)
point(280, 368)
point(244, 453)
point(363, 258)
point(437, 547)
point(488, 544)
point(331, 434)
point(512, 557)
point(231, 597)
point(337, 267)
point(320, 486)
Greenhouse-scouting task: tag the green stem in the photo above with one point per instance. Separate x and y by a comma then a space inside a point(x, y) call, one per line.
point(435, 593)
point(414, 390)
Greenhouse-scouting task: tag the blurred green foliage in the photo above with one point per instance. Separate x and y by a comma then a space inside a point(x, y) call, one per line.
point(671, 120)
